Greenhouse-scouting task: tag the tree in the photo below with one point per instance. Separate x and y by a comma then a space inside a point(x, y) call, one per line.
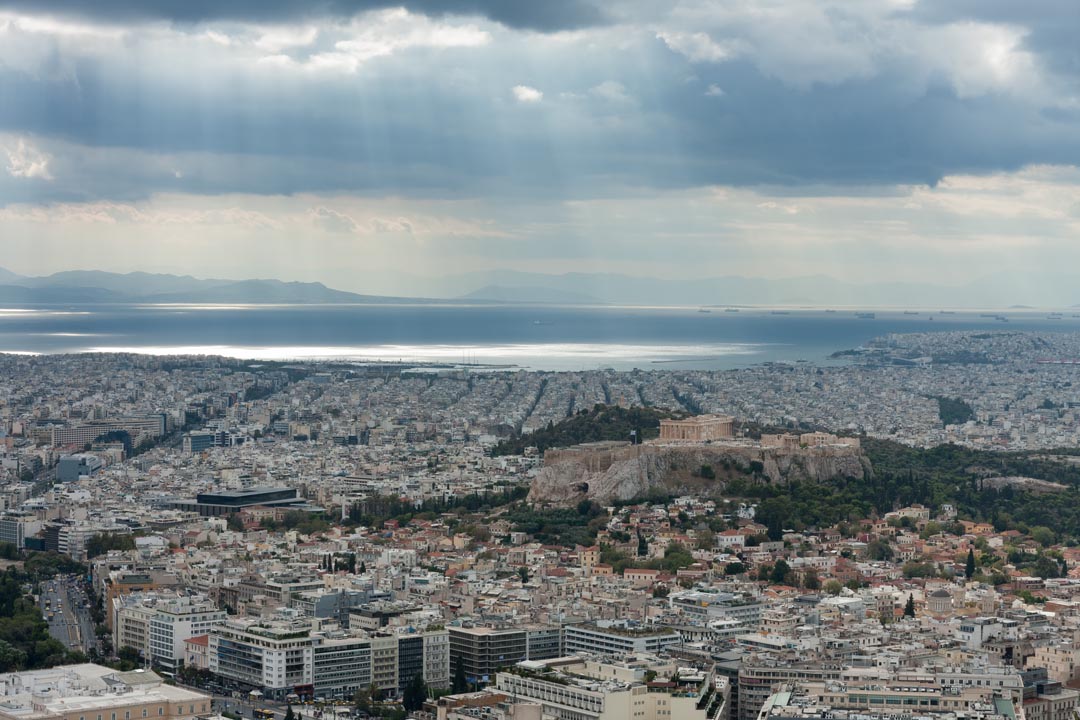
point(104, 542)
point(235, 523)
point(1046, 567)
point(523, 573)
point(969, 567)
point(909, 608)
point(811, 581)
point(460, 683)
point(642, 545)
point(734, 568)
point(129, 657)
point(676, 557)
point(706, 539)
point(362, 699)
point(1042, 535)
point(879, 549)
point(833, 587)
point(289, 714)
point(780, 572)
point(415, 694)
point(11, 658)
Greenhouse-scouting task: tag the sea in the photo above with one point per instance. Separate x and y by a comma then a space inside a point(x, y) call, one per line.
point(535, 337)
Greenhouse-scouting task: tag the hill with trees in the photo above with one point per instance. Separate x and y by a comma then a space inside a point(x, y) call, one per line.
point(602, 422)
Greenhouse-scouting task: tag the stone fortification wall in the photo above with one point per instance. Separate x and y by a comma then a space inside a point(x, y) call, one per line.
point(620, 471)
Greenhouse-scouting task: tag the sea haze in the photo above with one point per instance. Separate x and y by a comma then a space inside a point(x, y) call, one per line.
point(536, 337)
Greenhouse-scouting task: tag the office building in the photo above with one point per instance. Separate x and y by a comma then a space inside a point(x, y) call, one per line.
point(617, 638)
point(75, 467)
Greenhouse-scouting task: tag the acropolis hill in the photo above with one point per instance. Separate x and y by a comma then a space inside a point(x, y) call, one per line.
point(674, 462)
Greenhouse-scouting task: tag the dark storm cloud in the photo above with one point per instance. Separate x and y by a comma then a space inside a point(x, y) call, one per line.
point(861, 132)
point(542, 15)
point(444, 123)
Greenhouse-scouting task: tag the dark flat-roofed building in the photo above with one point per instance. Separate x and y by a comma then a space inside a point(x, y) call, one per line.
point(226, 502)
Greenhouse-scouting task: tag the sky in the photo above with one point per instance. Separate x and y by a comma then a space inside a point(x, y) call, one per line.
point(359, 142)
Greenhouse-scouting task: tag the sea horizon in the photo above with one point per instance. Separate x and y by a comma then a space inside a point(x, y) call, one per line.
point(518, 336)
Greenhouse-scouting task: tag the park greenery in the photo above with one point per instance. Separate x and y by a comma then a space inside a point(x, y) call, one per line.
point(954, 411)
point(104, 542)
point(25, 643)
point(602, 422)
point(376, 511)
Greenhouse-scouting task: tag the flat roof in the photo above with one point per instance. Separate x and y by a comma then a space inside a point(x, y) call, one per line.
point(249, 492)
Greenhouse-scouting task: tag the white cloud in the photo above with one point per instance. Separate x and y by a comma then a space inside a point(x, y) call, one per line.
point(334, 221)
point(612, 91)
point(526, 94)
point(714, 90)
point(383, 33)
point(980, 58)
point(27, 161)
point(218, 38)
point(277, 39)
point(697, 47)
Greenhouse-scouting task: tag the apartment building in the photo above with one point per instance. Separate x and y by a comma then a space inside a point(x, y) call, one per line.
point(577, 689)
point(617, 638)
point(273, 656)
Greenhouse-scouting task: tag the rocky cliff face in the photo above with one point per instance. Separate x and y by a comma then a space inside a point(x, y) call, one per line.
point(625, 472)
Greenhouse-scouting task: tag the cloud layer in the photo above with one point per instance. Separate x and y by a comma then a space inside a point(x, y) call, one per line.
point(547, 108)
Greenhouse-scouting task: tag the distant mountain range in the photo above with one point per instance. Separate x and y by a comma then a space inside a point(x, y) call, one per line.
point(995, 291)
point(508, 286)
point(93, 286)
point(531, 294)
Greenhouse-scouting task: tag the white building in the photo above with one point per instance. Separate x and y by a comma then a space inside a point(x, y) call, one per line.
point(272, 655)
point(613, 638)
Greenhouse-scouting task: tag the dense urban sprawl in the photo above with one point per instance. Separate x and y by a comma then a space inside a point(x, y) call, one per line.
point(203, 535)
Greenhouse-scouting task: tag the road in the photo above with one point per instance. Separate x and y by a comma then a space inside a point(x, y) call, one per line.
point(64, 605)
point(242, 703)
point(246, 708)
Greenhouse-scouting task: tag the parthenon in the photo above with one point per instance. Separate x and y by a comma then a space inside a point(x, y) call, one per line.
point(701, 428)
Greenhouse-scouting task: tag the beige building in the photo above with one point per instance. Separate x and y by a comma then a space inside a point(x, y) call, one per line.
point(1061, 660)
point(898, 699)
point(572, 688)
point(701, 428)
point(95, 692)
point(197, 652)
